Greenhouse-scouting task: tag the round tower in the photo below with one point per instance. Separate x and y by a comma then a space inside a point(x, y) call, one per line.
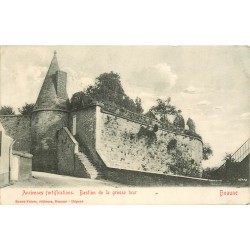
point(50, 114)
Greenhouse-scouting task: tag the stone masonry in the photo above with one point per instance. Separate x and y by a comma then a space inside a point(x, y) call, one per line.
point(103, 139)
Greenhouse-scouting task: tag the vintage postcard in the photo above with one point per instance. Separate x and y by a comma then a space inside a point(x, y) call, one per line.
point(124, 125)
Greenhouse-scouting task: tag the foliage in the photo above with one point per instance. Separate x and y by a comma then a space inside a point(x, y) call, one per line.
point(79, 99)
point(231, 172)
point(27, 109)
point(191, 133)
point(210, 173)
point(7, 110)
point(151, 115)
point(191, 125)
point(207, 152)
point(172, 145)
point(179, 121)
point(108, 90)
point(228, 158)
point(148, 134)
point(181, 166)
point(162, 110)
point(138, 106)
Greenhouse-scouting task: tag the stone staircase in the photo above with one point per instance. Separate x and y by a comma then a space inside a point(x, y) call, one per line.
point(241, 153)
point(239, 174)
point(90, 168)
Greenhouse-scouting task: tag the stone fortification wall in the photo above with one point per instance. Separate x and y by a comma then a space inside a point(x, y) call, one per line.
point(18, 128)
point(44, 132)
point(126, 144)
point(84, 121)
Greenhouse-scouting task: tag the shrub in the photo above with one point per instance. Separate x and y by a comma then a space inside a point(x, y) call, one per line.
point(7, 110)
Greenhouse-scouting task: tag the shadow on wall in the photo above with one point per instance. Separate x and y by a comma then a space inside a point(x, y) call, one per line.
point(18, 128)
point(144, 179)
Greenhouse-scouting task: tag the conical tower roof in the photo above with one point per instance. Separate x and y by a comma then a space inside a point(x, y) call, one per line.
point(54, 67)
point(48, 98)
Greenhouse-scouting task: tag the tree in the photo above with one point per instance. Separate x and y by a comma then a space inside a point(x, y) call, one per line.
point(151, 115)
point(138, 106)
point(191, 125)
point(108, 90)
point(179, 120)
point(210, 173)
point(7, 110)
point(231, 172)
point(162, 110)
point(207, 152)
point(27, 109)
point(79, 100)
point(182, 166)
point(228, 158)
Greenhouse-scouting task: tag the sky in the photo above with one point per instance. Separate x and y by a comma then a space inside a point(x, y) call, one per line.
point(210, 84)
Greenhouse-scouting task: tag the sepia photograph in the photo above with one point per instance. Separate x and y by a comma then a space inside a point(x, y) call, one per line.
point(130, 122)
point(124, 124)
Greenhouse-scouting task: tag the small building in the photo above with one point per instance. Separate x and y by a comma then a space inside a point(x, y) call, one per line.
point(5, 157)
point(14, 165)
point(21, 166)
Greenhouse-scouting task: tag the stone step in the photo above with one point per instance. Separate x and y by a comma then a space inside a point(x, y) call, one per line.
point(88, 165)
point(81, 155)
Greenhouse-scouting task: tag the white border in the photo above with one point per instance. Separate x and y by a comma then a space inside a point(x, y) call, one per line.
point(125, 22)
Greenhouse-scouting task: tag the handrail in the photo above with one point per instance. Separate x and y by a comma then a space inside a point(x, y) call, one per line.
point(241, 152)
